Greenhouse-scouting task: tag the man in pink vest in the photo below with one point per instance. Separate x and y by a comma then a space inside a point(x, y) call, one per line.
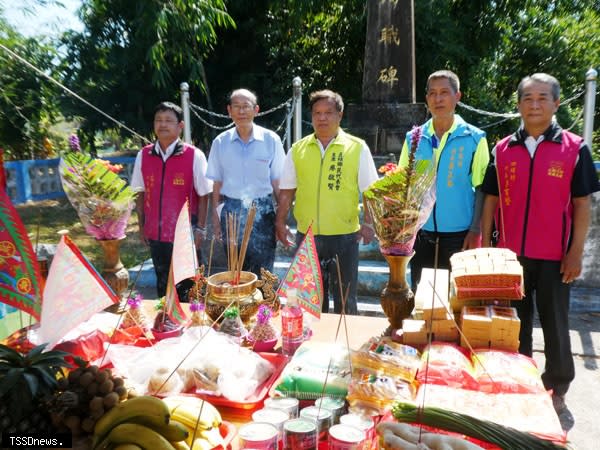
point(539, 185)
point(168, 173)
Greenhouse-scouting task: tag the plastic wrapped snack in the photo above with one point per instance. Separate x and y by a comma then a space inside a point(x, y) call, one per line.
point(500, 371)
point(447, 364)
point(395, 359)
point(314, 365)
point(375, 391)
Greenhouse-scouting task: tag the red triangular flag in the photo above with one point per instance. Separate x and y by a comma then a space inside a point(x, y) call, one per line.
point(20, 280)
point(304, 275)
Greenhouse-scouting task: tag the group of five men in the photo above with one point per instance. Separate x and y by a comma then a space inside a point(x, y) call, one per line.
point(532, 194)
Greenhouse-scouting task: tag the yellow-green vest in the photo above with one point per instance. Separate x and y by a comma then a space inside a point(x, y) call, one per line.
point(327, 193)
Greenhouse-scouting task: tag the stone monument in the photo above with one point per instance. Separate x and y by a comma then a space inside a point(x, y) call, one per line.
point(388, 108)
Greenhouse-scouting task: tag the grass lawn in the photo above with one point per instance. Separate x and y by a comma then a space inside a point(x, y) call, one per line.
point(44, 219)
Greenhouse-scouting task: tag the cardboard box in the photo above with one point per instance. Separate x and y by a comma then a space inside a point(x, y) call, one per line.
point(414, 332)
point(432, 298)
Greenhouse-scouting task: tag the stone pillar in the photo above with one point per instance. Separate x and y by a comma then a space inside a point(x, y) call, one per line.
point(590, 275)
point(388, 110)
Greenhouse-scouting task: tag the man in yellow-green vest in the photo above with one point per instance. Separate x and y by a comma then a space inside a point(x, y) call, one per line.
point(327, 171)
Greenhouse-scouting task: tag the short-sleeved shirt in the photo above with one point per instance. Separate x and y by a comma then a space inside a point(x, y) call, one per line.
point(202, 184)
point(246, 169)
point(367, 173)
point(585, 178)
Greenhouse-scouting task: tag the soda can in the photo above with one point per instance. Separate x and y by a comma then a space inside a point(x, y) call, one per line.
point(322, 417)
point(345, 437)
point(288, 404)
point(337, 406)
point(363, 423)
point(259, 436)
point(273, 416)
point(300, 434)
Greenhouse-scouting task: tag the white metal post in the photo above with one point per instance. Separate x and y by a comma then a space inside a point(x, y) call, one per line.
point(185, 106)
point(297, 84)
point(288, 127)
point(589, 106)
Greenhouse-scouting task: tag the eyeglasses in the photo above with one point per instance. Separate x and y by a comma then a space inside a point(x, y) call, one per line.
point(242, 107)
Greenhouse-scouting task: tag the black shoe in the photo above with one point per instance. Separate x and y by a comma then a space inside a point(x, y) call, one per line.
point(558, 401)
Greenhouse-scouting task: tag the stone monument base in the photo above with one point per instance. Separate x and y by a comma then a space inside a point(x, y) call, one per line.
point(384, 126)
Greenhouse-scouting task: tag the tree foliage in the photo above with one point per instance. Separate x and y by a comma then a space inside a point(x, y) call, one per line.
point(133, 54)
point(27, 101)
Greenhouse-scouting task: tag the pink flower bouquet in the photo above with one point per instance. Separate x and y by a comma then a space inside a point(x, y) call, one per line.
point(101, 198)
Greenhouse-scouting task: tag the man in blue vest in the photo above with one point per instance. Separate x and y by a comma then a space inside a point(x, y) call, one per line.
point(461, 155)
point(326, 172)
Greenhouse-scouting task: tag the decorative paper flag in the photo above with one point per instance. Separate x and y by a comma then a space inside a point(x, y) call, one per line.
point(304, 275)
point(19, 271)
point(12, 319)
point(74, 292)
point(183, 263)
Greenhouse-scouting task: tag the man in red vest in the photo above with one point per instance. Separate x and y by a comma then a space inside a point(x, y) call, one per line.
point(539, 185)
point(168, 173)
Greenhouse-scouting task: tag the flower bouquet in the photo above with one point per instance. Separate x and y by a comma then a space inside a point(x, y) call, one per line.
point(263, 336)
point(400, 201)
point(101, 198)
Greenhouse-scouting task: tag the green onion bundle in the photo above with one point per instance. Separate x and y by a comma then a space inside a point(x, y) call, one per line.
point(504, 437)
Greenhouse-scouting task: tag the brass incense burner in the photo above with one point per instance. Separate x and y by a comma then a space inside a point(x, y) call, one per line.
point(222, 292)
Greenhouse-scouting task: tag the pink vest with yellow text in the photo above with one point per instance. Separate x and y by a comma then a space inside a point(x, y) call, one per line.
point(168, 185)
point(535, 197)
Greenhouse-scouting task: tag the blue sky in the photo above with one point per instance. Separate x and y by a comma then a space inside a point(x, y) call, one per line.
point(48, 20)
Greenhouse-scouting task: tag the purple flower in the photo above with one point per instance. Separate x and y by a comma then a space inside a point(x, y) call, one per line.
point(264, 314)
point(74, 144)
point(135, 302)
point(196, 306)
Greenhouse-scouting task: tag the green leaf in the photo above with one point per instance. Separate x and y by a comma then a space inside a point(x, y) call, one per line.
point(32, 382)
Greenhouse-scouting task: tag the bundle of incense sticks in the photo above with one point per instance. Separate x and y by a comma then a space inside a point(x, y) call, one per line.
point(237, 253)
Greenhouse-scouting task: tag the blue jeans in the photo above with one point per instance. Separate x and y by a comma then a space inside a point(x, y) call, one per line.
point(261, 246)
point(345, 247)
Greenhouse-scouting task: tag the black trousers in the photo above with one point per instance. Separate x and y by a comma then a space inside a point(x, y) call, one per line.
point(545, 291)
point(449, 244)
point(161, 253)
point(345, 247)
point(262, 243)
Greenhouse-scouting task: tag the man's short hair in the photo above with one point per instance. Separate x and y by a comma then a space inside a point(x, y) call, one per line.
point(169, 106)
point(243, 93)
point(448, 75)
point(540, 78)
point(326, 94)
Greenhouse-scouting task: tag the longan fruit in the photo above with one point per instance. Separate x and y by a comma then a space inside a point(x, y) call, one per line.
point(102, 376)
point(93, 369)
point(122, 391)
point(73, 423)
point(111, 400)
point(118, 381)
point(96, 403)
point(106, 387)
point(93, 388)
point(97, 413)
point(86, 379)
point(87, 424)
point(74, 375)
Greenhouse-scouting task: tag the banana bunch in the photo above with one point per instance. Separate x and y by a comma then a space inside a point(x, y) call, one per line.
point(139, 423)
point(201, 419)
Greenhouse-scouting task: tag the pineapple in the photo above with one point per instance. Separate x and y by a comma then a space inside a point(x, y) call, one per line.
point(27, 383)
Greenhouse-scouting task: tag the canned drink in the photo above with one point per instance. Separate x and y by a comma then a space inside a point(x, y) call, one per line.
point(337, 406)
point(345, 437)
point(363, 423)
point(273, 416)
point(288, 404)
point(258, 435)
point(300, 434)
point(322, 418)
